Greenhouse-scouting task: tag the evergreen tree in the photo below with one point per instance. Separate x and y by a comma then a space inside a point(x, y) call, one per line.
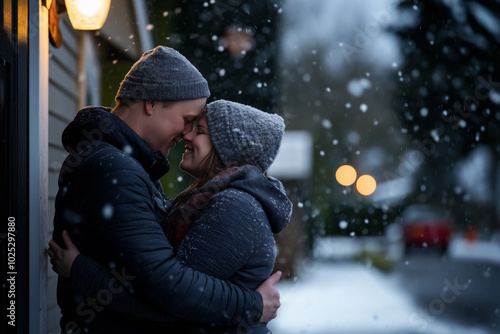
point(449, 86)
point(233, 44)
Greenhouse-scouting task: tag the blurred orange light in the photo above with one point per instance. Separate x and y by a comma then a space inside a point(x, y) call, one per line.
point(345, 175)
point(366, 185)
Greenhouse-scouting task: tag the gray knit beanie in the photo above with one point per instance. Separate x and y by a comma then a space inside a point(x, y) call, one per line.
point(244, 134)
point(163, 74)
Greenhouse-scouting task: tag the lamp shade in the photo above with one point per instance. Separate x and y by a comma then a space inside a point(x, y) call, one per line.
point(87, 14)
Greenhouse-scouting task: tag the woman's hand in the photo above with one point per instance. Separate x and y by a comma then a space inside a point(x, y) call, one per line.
point(270, 297)
point(62, 259)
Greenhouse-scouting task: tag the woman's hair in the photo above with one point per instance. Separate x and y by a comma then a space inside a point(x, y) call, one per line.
point(211, 165)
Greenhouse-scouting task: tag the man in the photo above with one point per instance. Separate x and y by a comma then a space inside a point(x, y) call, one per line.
point(112, 204)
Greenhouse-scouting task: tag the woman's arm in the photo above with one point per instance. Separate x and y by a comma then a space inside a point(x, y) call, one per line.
point(89, 277)
point(99, 278)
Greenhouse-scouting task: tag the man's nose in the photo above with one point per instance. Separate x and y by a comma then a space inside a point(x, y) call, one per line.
point(186, 135)
point(187, 129)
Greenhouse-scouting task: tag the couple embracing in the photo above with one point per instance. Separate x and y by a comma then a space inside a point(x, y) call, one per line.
point(132, 261)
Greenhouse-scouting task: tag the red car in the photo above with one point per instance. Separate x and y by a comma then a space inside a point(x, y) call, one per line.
point(426, 227)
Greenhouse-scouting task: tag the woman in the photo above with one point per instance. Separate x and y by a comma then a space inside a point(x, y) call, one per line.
point(223, 224)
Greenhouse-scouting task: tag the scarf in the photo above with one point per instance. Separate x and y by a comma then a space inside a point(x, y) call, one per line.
point(182, 216)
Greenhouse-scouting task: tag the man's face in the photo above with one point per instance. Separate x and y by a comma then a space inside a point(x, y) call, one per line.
point(169, 122)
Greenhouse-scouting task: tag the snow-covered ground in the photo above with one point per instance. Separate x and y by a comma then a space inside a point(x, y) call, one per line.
point(344, 248)
point(348, 297)
point(479, 250)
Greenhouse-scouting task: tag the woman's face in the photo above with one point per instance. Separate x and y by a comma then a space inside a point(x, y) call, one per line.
point(198, 145)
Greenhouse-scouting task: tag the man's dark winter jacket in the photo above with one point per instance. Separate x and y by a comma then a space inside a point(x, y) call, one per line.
point(112, 204)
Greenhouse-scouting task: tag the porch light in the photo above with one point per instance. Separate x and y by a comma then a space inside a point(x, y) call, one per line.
point(83, 15)
point(87, 14)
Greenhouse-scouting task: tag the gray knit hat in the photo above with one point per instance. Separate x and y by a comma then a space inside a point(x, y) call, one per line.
point(244, 134)
point(163, 74)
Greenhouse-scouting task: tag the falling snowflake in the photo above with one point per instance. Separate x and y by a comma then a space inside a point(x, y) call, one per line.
point(326, 123)
point(127, 149)
point(107, 211)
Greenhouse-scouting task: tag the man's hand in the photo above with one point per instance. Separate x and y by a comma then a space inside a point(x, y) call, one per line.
point(270, 297)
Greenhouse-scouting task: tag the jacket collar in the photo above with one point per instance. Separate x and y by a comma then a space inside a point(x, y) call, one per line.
point(94, 124)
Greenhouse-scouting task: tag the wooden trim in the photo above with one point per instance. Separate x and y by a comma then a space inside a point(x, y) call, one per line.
point(38, 168)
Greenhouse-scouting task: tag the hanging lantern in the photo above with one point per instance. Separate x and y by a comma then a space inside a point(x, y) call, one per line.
point(87, 14)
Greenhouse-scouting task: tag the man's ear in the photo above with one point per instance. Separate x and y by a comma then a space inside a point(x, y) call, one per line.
point(148, 107)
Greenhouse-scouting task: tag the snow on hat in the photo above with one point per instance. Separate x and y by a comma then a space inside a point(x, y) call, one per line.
point(163, 74)
point(244, 134)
